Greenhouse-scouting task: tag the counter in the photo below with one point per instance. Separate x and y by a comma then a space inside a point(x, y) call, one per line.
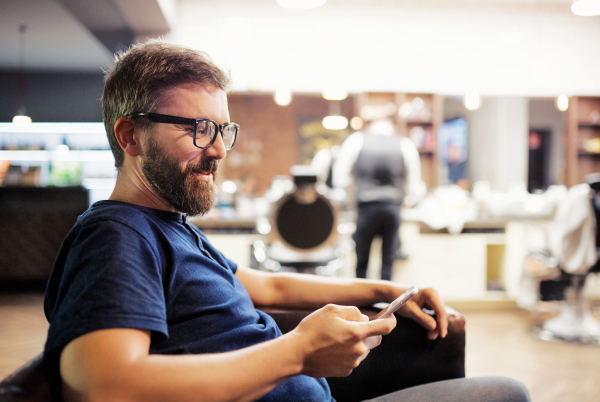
point(33, 223)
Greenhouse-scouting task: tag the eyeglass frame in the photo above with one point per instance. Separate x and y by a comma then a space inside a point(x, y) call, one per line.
point(165, 118)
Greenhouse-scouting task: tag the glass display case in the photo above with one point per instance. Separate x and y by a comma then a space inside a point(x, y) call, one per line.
point(57, 154)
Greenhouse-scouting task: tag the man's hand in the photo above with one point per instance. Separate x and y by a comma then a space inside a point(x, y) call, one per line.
point(429, 299)
point(335, 339)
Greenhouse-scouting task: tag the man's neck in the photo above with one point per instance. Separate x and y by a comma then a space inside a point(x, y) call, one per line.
point(134, 189)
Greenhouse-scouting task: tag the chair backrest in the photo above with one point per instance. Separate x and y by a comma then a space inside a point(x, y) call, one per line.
point(305, 226)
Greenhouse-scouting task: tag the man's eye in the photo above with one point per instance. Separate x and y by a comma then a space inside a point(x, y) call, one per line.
point(187, 129)
point(205, 129)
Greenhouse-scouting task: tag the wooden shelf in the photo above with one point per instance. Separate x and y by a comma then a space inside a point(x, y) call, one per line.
point(583, 152)
point(588, 125)
point(419, 123)
point(582, 115)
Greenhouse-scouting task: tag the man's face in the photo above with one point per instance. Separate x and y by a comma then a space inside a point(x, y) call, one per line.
point(178, 172)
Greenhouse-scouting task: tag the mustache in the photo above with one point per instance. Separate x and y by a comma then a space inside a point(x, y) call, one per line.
point(205, 166)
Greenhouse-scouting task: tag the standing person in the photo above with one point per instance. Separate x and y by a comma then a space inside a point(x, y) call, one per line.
point(143, 308)
point(380, 177)
point(385, 170)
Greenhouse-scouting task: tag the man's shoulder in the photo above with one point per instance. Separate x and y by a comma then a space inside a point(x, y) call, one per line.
point(113, 211)
point(121, 213)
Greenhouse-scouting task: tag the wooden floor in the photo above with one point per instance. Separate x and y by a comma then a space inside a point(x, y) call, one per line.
point(23, 328)
point(498, 343)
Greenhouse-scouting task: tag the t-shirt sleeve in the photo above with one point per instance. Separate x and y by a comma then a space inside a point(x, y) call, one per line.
point(112, 278)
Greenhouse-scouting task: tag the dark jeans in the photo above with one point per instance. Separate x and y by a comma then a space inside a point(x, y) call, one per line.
point(377, 219)
point(479, 389)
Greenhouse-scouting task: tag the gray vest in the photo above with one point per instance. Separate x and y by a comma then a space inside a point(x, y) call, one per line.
point(379, 170)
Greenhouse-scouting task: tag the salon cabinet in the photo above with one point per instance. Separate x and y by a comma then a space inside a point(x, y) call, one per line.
point(484, 263)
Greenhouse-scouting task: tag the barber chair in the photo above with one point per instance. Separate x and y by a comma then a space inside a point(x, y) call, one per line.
point(404, 359)
point(575, 321)
point(304, 234)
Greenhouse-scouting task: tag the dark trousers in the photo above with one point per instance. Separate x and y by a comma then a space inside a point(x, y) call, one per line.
point(377, 219)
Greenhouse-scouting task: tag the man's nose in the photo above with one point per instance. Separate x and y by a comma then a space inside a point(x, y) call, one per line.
point(217, 150)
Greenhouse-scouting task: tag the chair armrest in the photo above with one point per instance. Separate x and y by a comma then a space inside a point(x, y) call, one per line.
point(28, 384)
point(405, 358)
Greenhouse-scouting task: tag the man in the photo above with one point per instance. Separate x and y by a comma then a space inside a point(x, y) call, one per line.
point(386, 171)
point(143, 308)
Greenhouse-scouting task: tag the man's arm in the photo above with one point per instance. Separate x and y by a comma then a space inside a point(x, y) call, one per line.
point(313, 291)
point(414, 186)
point(115, 364)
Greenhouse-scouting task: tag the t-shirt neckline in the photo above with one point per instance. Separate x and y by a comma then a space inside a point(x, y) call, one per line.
point(175, 216)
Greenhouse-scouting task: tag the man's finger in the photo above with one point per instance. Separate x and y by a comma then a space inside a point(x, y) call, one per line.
point(350, 313)
point(377, 327)
point(441, 316)
point(412, 310)
point(373, 341)
point(442, 321)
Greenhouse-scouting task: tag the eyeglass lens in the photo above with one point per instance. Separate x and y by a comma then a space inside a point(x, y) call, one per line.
point(206, 131)
point(229, 133)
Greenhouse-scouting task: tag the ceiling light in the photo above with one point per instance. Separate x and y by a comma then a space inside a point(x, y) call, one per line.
point(356, 123)
point(562, 103)
point(335, 94)
point(229, 187)
point(586, 8)
point(283, 96)
point(335, 122)
point(472, 100)
point(301, 4)
point(21, 118)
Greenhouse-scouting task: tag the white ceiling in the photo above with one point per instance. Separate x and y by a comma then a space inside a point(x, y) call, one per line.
point(75, 35)
point(57, 40)
point(516, 46)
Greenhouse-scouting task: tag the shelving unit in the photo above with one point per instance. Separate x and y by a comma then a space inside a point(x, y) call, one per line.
point(417, 116)
point(50, 156)
point(55, 154)
point(583, 138)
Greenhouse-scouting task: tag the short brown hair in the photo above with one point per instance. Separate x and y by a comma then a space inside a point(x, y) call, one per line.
point(143, 73)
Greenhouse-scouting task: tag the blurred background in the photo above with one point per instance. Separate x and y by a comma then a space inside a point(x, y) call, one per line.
point(501, 98)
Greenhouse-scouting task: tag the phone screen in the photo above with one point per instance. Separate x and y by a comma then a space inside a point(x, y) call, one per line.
point(396, 304)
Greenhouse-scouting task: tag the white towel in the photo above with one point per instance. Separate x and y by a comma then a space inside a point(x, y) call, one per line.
point(572, 238)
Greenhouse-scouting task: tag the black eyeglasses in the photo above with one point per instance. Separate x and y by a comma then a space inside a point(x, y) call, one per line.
point(205, 130)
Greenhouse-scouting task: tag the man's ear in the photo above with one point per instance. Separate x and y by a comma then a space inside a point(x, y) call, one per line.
point(128, 137)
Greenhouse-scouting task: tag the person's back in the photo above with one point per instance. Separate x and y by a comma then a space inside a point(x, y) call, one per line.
point(379, 170)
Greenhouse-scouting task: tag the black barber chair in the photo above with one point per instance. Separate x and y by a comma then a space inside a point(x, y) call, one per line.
point(304, 233)
point(404, 359)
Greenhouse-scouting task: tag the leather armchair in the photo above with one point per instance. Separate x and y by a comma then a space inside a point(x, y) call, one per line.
point(405, 358)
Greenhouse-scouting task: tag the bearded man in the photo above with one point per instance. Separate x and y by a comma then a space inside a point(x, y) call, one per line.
point(143, 308)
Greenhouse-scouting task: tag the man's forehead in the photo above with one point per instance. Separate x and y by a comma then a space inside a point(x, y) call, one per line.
point(193, 88)
point(195, 100)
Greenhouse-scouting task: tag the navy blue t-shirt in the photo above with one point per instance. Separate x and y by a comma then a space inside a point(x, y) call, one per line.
point(127, 266)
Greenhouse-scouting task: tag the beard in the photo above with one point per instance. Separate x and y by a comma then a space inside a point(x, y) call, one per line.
point(178, 187)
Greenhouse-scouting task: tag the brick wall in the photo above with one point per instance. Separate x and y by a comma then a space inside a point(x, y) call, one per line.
point(268, 143)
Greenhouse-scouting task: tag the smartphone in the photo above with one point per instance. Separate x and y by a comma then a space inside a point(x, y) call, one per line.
point(396, 304)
